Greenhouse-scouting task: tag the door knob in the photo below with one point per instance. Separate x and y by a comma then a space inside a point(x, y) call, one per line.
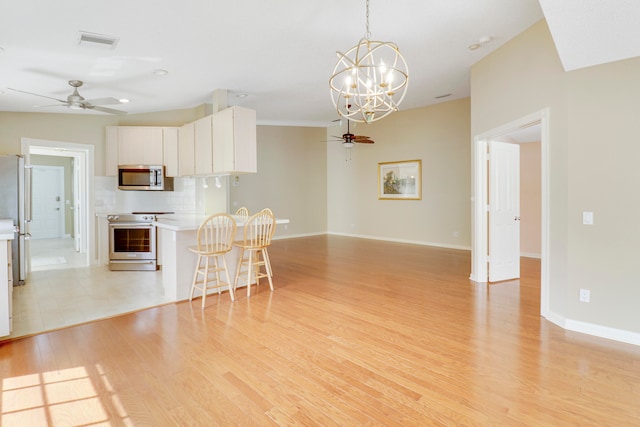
point(516, 218)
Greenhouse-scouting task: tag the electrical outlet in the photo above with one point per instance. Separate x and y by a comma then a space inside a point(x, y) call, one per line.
point(456, 234)
point(585, 295)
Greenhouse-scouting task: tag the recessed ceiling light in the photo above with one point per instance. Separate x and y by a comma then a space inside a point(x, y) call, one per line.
point(160, 72)
point(123, 100)
point(242, 95)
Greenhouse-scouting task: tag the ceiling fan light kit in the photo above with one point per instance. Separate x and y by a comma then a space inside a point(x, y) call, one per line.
point(370, 80)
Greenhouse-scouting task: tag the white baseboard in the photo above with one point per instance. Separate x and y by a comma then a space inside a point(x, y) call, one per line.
point(293, 236)
point(412, 242)
point(594, 330)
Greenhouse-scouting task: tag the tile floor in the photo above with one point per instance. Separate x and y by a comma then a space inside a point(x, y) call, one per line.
point(62, 290)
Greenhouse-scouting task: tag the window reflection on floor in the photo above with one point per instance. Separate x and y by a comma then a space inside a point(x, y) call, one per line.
point(74, 396)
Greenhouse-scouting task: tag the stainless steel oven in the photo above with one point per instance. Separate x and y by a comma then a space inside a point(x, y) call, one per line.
point(132, 242)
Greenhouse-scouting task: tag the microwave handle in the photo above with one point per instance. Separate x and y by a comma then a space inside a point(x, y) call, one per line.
point(156, 177)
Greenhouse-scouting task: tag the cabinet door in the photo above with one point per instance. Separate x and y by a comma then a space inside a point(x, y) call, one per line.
point(203, 149)
point(139, 145)
point(186, 150)
point(6, 288)
point(170, 150)
point(111, 151)
point(234, 141)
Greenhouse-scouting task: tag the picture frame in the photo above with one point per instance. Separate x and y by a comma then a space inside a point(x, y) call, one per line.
point(401, 180)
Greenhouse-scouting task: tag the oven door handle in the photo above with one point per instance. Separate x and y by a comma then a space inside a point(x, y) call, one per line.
point(130, 225)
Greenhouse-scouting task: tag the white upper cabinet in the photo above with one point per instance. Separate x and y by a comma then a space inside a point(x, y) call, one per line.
point(203, 146)
point(186, 150)
point(140, 145)
point(222, 143)
point(234, 141)
point(170, 150)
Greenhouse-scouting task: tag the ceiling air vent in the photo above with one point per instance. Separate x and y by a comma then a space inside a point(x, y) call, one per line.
point(97, 40)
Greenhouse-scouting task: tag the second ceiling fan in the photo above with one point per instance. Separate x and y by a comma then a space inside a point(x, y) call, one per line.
point(348, 139)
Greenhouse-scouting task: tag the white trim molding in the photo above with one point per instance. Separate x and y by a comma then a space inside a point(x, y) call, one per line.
point(595, 330)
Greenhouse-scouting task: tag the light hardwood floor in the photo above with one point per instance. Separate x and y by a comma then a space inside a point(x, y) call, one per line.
point(357, 332)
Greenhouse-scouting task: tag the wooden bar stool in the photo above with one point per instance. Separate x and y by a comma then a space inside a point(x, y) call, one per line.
point(242, 212)
point(214, 240)
point(258, 231)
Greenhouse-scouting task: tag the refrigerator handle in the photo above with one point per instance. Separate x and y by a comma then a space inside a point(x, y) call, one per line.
point(28, 177)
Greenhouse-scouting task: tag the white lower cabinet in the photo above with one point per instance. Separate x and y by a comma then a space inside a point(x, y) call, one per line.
point(6, 289)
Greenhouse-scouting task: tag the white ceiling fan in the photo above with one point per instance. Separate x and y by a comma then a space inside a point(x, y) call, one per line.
point(75, 101)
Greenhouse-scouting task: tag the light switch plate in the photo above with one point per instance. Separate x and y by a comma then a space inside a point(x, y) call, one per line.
point(587, 218)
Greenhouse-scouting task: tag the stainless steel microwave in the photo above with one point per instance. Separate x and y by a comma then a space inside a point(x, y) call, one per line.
point(143, 178)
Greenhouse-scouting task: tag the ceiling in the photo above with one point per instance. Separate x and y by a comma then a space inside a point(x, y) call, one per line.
point(278, 53)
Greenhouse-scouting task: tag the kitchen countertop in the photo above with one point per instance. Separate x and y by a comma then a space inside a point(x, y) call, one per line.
point(192, 222)
point(6, 229)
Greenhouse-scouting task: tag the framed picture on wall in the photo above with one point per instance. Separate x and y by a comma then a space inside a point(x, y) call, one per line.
point(400, 180)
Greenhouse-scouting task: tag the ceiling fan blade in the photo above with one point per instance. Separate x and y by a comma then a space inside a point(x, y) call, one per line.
point(362, 138)
point(363, 141)
point(105, 110)
point(102, 101)
point(35, 94)
point(50, 105)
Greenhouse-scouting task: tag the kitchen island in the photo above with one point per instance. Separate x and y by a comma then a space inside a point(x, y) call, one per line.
point(176, 233)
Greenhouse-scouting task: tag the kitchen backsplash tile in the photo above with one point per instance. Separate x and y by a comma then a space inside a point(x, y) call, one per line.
point(187, 197)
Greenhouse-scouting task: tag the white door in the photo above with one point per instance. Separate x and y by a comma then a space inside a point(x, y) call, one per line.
point(504, 211)
point(47, 201)
point(76, 204)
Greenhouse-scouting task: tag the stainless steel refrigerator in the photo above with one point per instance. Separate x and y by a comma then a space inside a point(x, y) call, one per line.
point(15, 204)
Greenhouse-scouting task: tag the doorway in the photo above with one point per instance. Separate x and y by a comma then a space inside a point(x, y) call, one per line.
point(78, 204)
point(480, 198)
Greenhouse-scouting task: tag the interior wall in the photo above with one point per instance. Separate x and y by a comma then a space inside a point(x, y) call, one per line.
point(592, 154)
point(438, 135)
point(291, 179)
point(530, 200)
